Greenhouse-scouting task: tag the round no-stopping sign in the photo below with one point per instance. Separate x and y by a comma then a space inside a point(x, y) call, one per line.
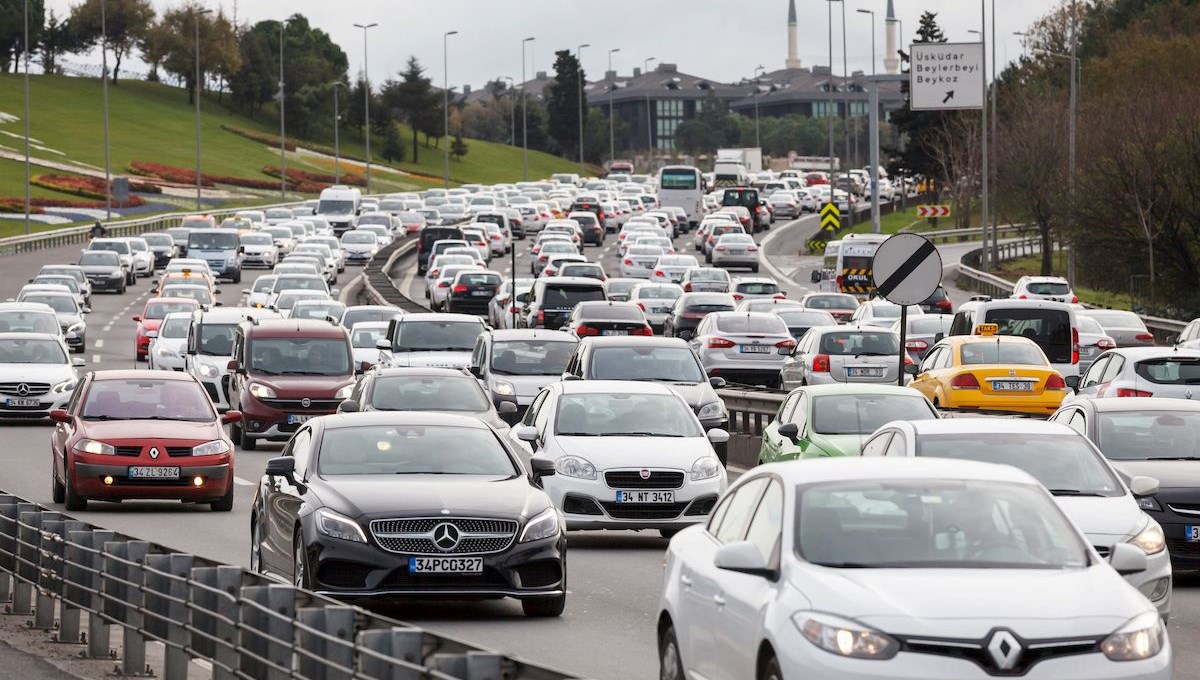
point(907, 269)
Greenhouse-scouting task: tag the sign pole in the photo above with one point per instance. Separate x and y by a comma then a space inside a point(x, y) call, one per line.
point(512, 299)
point(903, 339)
point(873, 133)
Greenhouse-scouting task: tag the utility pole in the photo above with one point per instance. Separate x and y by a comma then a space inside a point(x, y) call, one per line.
point(1071, 147)
point(579, 61)
point(282, 132)
point(831, 113)
point(649, 123)
point(104, 88)
point(512, 109)
point(337, 147)
point(25, 47)
point(366, 101)
point(446, 104)
point(612, 152)
point(524, 121)
point(196, 97)
point(983, 134)
point(757, 137)
point(846, 112)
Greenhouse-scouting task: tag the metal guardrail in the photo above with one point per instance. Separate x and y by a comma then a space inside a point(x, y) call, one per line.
point(971, 234)
point(246, 626)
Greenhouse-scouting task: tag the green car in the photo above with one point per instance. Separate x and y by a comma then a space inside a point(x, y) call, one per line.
point(834, 420)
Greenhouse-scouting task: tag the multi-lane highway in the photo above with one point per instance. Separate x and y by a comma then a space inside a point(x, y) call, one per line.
point(614, 578)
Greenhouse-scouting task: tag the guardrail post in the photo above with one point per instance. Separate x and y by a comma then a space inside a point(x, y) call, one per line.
point(83, 581)
point(214, 616)
point(22, 589)
point(454, 665)
point(322, 658)
point(267, 624)
point(483, 666)
point(402, 648)
point(166, 591)
point(54, 547)
point(30, 566)
point(123, 581)
point(8, 535)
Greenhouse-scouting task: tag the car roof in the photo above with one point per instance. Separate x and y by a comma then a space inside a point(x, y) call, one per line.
point(435, 316)
point(402, 418)
point(1137, 353)
point(25, 307)
point(1038, 304)
point(978, 425)
point(979, 339)
point(286, 328)
point(857, 388)
point(143, 374)
point(570, 281)
point(613, 387)
point(30, 336)
point(414, 371)
point(857, 468)
point(633, 341)
point(172, 299)
point(1139, 404)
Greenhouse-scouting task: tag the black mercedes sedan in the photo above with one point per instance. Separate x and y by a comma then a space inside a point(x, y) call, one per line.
point(417, 505)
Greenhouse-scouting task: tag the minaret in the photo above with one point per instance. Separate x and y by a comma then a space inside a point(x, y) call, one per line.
point(891, 59)
point(793, 61)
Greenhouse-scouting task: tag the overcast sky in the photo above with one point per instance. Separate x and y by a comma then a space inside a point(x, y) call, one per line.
point(710, 38)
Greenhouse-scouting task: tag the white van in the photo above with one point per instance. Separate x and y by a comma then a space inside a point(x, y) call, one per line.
point(339, 205)
point(847, 265)
point(1052, 325)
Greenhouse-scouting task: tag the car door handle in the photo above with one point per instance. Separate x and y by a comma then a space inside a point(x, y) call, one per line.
point(719, 600)
point(686, 580)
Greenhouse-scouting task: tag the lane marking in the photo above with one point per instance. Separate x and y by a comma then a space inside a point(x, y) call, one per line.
point(242, 482)
point(98, 344)
point(95, 358)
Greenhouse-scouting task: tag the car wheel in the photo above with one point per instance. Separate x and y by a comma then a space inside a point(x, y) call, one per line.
point(668, 533)
point(771, 670)
point(72, 500)
point(58, 491)
point(545, 607)
point(121, 290)
point(300, 576)
point(224, 503)
point(237, 278)
point(670, 661)
point(248, 443)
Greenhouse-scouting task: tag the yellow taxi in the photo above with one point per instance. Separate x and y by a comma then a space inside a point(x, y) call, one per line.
point(188, 276)
point(988, 371)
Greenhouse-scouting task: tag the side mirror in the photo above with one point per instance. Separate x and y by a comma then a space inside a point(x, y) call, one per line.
point(506, 408)
point(334, 291)
point(1073, 382)
point(366, 366)
point(85, 309)
point(349, 406)
point(1127, 559)
point(569, 376)
point(717, 382)
point(477, 371)
point(384, 344)
point(938, 337)
point(245, 291)
point(717, 436)
point(231, 417)
point(283, 466)
point(59, 415)
point(540, 467)
point(816, 276)
point(527, 433)
point(745, 558)
point(216, 291)
point(218, 303)
point(232, 366)
point(78, 362)
point(789, 430)
point(1143, 486)
point(912, 369)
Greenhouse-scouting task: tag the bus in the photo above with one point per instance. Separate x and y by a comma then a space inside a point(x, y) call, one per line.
point(682, 186)
point(847, 265)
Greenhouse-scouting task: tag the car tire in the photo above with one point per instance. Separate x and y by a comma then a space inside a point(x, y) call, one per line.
point(237, 278)
point(301, 577)
point(72, 501)
point(670, 661)
point(770, 669)
point(247, 442)
point(256, 563)
point(668, 533)
point(544, 607)
point(754, 268)
point(121, 290)
point(224, 503)
point(58, 490)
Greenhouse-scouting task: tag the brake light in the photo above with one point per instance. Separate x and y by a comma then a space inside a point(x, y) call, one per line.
point(710, 239)
point(496, 237)
point(720, 248)
point(779, 296)
point(720, 343)
point(916, 345)
point(752, 249)
point(1127, 392)
point(541, 316)
point(786, 344)
point(1106, 343)
point(943, 304)
point(1022, 297)
point(444, 284)
point(658, 272)
point(820, 363)
point(460, 288)
point(1144, 337)
point(738, 296)
point(687, 287)
point(641, 306)
point(965, 381)
point(434, 274)
point(1074, 345)
point(543, 258)
point(839, 280)
point(644, 330)
point(584, 329)
point(628, 263)
point(514, 310)
point(1056, 382)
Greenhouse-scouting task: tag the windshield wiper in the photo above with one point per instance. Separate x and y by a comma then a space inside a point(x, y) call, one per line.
point(579, 434)
point(874, 354)
point(1073, 492)
point(305, 373)
point(639, 434)
point(102, 418)
point(850, 565)
point(1162, 458)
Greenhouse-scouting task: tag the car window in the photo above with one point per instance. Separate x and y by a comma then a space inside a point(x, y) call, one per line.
point(785, 410)
point(766, 529)
point(1095, 372)
point(741, 510)
point(1078, 422)
point(897, 447)
point(930, 361)
point(799, 415)
point(877, 445)
point(1115, 365)
point(301, 450)
point(147, 398)
point(532, 413)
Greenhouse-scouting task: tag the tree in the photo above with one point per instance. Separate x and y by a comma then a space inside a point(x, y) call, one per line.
point(154, 44)
point(955, 147)
point(256, 82)
point(218, 46)
point(459, 148)
point(393, 148)
point(125, 22)
point(412, 99)
point(918, 129)
point(12, 30)
point(57, 38)
point(562, 103)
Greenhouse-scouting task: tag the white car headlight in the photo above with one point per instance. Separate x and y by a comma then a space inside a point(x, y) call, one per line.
point(76, 327)
point(116, 273)
point(334, 525)
point(344, 393)
point(845, 638)
point(574, 466)
point(1141, 638)
point(232, 260)
point(165, 352)
point(212, 448)
point(64, 386)
point(504, 388)
point(709, 410)
point(1150, 539)
point(544, 525)
point(93, 446)
point(210, 371)
point(260, 391)
point(706, 467)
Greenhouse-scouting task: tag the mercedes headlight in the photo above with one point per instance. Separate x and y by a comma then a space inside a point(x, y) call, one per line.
point(706, 467)
point(1150, 539)
point(710, 410)
point(503, 388)
point(574, 466)
point(210, 371)
point(64, 386)
point(260, 391)
point(845, 638)
point(344, 393)
point(1140, 638)
point(544, 525)
point(93, 446)
point(334, 525)
point(212, 448)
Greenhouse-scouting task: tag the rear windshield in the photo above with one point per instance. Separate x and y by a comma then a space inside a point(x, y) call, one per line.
point(857, 262)
point(1118, 320)
point(492, 280)
point(566, 297)
point(1138, 435)
point(1048, 288)
point(751, 323)
point(29, 322)
point(435, 336)
point(758, 288)
point(798, 318)
point(850, 343)
point(617, 312)
point(708, 275)
point(974, 353)
point(1049, 328)
point(1170, 371)
point(931, 323)
point(831, 302)
point(658, 293)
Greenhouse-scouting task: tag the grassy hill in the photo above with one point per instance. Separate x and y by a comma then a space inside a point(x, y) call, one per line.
point(154, 123)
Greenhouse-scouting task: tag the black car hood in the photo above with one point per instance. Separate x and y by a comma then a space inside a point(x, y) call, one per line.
point(1171, 474)
point(380, 496)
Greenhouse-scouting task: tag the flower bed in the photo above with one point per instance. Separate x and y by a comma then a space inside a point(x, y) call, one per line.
point(302, 176)
point(12, 204)
point(17, 205)
point(185, 176)
point(168, 173)
point(88, 187)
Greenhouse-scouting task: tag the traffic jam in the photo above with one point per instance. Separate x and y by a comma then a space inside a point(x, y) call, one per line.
point(1002, 487)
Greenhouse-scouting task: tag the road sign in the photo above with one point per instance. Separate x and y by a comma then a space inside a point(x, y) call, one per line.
point(946, 76)
point(830, 217)
point(907, 269)
point(933, 211)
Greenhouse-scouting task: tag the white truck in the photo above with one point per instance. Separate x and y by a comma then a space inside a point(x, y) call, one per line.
point(340, 205)
point(733, 166)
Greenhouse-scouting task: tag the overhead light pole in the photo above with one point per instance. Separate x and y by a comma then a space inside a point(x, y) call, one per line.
point(757, 138)
point(649, 122)
point(282, 132)
point(25, 47)
point(831, 113)
point(512, 109)
point(846, 111)
point(1024, 36)
point(872, 13)
point(196, 97)
point(611, 86)
point(446, 104)
point(104, 89)
point(579, 60)
point(524, 121)
point(337, 123)
point(366, 101)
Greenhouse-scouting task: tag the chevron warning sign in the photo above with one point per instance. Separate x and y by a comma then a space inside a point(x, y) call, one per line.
point(933, 211)
point(830, 217)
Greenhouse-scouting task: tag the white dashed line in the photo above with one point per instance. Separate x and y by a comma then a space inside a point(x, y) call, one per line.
point(95, 358)
point(98, 344)
point(242, 482)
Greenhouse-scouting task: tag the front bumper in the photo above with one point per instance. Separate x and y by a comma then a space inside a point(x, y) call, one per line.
point(217, 479)
point(265, 421)
point(106, 282)
point(258, 260)
point(590, 504)
point(46, 403)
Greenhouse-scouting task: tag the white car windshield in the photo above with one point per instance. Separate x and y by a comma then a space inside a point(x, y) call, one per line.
point(31, 351)
point(1064, 463)
point(625, 415)
point(412, 450)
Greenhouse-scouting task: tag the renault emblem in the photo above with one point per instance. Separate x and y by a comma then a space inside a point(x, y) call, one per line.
point(1004, 650)
point(306, 402)
point(23, 389)
point(644, 474)
point(446, 536)
point(153, 452)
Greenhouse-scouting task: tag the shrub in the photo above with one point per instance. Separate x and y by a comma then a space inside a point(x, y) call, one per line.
point(168, 173)
point(303, 176)
point(10, 204)
point(88, 187)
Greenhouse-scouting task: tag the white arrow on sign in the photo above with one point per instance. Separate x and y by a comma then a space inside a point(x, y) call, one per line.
point(907, 269)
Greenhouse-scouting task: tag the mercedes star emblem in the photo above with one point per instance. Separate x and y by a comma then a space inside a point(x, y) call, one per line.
point(153, 453)
point(306, 402)
point(23, 389)
point(446, 536)
point(1005, 650)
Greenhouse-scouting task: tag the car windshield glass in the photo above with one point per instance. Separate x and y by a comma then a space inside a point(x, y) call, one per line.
point(359, 237)
point(1049, 328)
point(621, 311)
point(531, 357)
point(1089, 325)
point(929, 324)
point(197, 293)
point(299, 283)
point(111, 246)
point(934, 524)
point(566, 297)
point(625, 415)
point(810, 319)
point(67, 281)
point(667, 364)
point(94, 258)
point(353, 316)
point(881, 311)
point(864, 413)
point(147, 399)
point(29, 322)
point(481, 279)
point(384, 220)
point(1167, 371)
point(257, 240)
point(31, 352)
point(63, 304)
point(263, 284)
point(658, 292)
point(1020, 353)
point(1144, 435)
point(1117, 319)
point(300, 356)
point(437, 336)
point(1063, 463)
point(412, 450)
point(213, 240)
point(1048, 288)
point(175, 327)
point(159, 240)
point(843, 343)
point(332, 207)
point(365, 337)
point(428, 393)
point(317, 311)
point(708, 275)
point(757, 288)
point(216, 339)
point(758, 324)
point(831, 302)
point(157, 310)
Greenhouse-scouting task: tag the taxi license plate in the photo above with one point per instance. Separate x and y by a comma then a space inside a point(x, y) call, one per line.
point(864, 372)
point(445, 565)
point(294, 419)
point(755, 349)
point(1011, 386)
point(645, 496)
point(614, 332)
point(17, 401)
point(153, 472)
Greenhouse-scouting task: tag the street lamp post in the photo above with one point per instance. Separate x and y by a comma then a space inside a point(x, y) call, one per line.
point(366, 101)
point(196, 97)
point(757, 139)
point(579, 60)
point(1071, 128)
point(446, 104)
point(25, 48)
point(282, 132)
point(337, 147)
point(872, 13)
point(831, 112)
point(649, 123)
point(512, 110)
point(104, 88)
point(846, 112)
point(524, 120)
point(611, 86)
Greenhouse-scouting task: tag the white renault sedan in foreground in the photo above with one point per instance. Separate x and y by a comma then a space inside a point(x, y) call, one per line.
point(865, 569)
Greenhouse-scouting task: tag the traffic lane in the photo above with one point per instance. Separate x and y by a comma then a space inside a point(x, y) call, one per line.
point(1184, 625)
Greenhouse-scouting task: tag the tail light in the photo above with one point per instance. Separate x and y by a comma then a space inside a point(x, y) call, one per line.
point(1127, 392)
point(1075, 299)
point(839, 280)
point(752, 249)
point(541, 317)
point(659, 272)
point(786, 344)
point(1022, 297)
point(820, 363)
point(916, 345)
point(641, 306)
point(720, 343)
point(779, 296)
point(710, 239)
point(628, 263)
point(444, 284)
point(434, 274)
point(692, 315)
point(1145, 337)
point(517, 310)
point(943, 304)
point(965, 381)
point(720, 248)
point(908, 360)
point(496, 237)
point(738, 296)
point(459, 289)
point(1106, 343)
point(644, 330)
point(1056, 382)
point(687, 287)
point(1074, 345)
point(543, 258)
point(584, 329)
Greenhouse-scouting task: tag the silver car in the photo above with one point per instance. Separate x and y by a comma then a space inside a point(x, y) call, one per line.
point(671, 268)
point(756, 288)
point(1142, 372)
point(619, 288)
point(843, 354)
point(504, 304)
point(441, 285)
point(1125, 328)
point(656, 300)
point(924, 331)
point(745, 347)
point(1092, 341)
point(639, 261)
point(735, 250)
point(705, 280)
point(880, 313)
